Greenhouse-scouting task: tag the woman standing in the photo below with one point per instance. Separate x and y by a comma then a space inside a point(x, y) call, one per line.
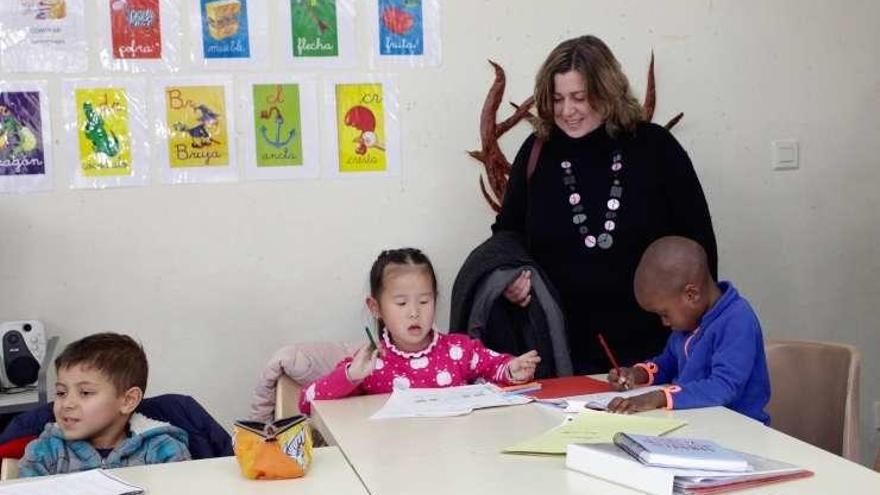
point(605, 185)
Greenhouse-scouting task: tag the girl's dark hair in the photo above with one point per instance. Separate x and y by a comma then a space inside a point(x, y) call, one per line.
point(402, 256)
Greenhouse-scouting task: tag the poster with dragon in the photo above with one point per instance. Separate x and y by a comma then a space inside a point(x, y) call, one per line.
point(365, 126)
point(407, 31)
point(25, 160)
point(321, 33)
point(43, 36)
point(197, 127)
point(282, 137)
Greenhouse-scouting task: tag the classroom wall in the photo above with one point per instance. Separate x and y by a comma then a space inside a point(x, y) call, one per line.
point(213, 278)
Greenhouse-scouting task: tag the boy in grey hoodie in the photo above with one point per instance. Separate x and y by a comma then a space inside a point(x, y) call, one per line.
point(101, 380)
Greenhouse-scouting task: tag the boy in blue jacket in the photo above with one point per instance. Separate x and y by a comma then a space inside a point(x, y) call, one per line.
point(715, 354)
point(101, 380)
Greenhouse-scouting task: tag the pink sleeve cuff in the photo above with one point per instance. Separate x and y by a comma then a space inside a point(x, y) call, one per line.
point(651, 369)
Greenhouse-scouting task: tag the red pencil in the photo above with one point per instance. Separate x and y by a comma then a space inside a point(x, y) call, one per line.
point(608, 353)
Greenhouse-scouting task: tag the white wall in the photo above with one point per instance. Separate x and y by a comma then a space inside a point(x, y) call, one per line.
point(213, 278)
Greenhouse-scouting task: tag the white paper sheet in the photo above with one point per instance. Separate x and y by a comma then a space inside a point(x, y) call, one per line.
point(600, 401)
point(442, 402)
point(94, 482)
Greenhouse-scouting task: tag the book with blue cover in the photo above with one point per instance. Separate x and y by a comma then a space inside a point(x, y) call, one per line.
point(688, 453)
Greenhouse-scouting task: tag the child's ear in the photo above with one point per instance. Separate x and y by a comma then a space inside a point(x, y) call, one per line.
point(373, 306)
point(692, 293)
point(131, 399)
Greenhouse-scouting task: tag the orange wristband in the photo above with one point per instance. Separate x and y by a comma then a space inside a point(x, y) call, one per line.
point(650, 368)
point(668, 391)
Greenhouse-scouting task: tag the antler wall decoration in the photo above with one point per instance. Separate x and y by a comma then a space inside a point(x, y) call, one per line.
point(490, 155)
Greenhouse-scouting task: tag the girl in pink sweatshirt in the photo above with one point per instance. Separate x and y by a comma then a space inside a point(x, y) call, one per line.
point(412, 352)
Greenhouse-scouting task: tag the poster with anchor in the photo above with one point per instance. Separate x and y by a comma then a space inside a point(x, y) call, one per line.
point(281, 137)
point(365, 127)
point(406, 32)
point(25, 159)
point(108, 119)
point(196, 126)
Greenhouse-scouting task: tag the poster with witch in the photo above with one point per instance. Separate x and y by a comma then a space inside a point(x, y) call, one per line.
point(22, 149)
point(198, 127)
point(360, 124)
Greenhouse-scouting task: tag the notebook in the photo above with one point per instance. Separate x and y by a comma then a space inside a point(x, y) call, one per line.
point(569, 386)
point(601, 400)
point(591, 427)
point(609, 462)
point(94, 482)
point(686, 453)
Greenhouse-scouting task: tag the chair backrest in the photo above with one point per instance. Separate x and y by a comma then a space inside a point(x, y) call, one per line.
point(815, 394)
point(877, 462)
point(8, 469)
point(303, 363)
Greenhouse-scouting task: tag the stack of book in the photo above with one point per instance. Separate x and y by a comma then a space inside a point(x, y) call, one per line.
point(664, 465)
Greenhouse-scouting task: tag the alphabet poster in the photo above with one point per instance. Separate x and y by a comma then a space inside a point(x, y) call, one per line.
point(230, 34)
point(140, 35)
point(103, 132)
point(21, 149)
point(197, 126)
point(282, 138)
point(107, 127)
point(225, 28)
point(365, 126)
point(136, 29)
point(401, 29)
point(277, 125)
point(25, 160)
point(43, 36)
point(407, 31)
point(315, 28)
point(321, 32)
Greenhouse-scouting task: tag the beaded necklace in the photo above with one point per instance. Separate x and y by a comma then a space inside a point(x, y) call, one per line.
point(605, 239)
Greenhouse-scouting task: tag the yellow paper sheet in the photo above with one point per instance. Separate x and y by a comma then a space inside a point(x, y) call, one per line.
point(592, 427)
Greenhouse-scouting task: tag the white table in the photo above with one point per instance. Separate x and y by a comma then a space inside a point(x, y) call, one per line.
point(461, 455)
point(329, 474)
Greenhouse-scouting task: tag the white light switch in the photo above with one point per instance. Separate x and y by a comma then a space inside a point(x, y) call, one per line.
point(785, 154)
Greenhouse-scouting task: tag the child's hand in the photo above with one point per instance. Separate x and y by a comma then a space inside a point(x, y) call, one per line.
point(522, 368)
point(622, 378)
point(363, 363)
point(644, 402)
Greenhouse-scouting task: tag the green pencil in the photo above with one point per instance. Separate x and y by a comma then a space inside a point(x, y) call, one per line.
point(373, 344)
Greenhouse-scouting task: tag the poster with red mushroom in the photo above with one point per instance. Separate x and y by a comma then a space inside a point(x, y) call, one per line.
point(362, 118)
point(361, 127)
